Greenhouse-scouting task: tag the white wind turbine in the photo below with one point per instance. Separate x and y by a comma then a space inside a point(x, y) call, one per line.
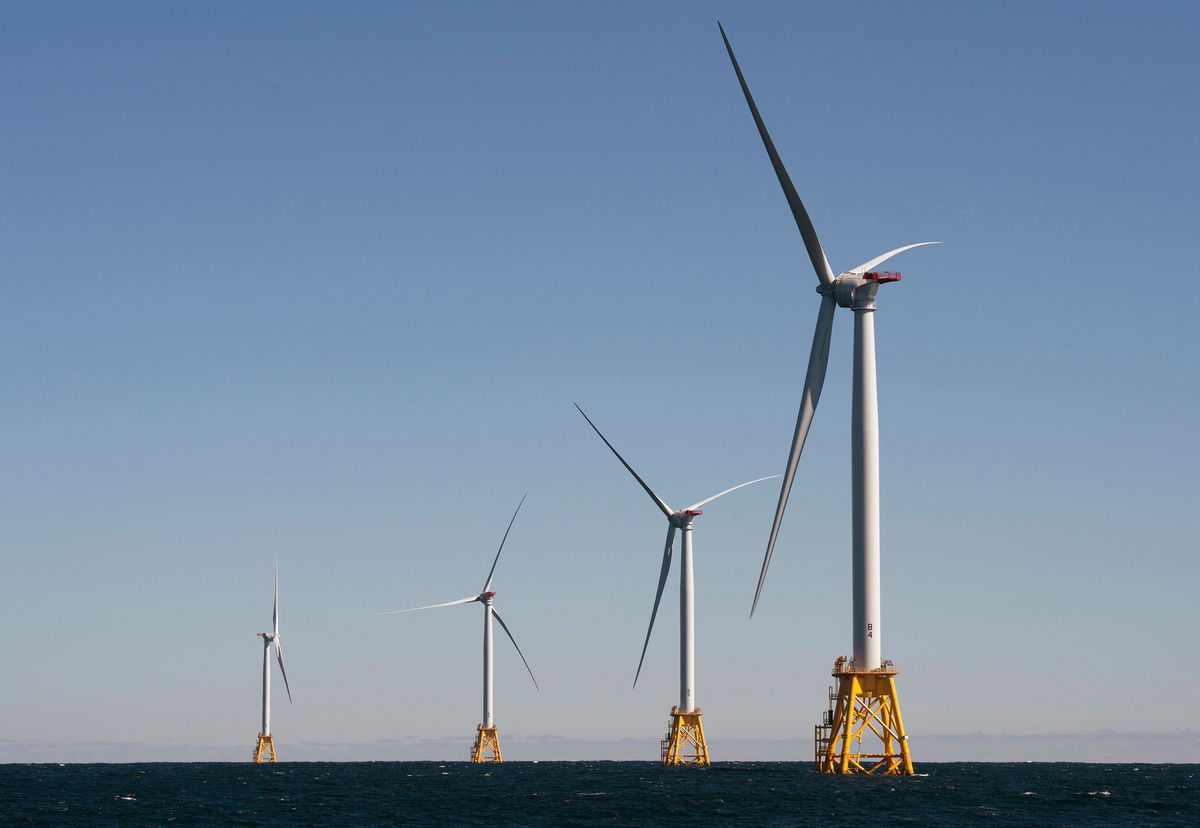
point(854, 289)
point(264, 751)
point(487, 740)
point(685, 743)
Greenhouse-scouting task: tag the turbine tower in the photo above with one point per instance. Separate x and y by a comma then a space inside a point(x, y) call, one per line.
point(487, 739)
point(684, 743)
point(866, 701)
point(264, 751)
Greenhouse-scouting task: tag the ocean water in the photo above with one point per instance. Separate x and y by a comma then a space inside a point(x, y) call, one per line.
point(595, 793)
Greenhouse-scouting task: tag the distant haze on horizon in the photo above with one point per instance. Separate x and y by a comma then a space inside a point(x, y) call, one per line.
point(319, 284)
point(1145, 748)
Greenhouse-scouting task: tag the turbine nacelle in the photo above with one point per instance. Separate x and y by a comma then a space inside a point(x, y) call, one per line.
point(856, 292)
point(856, 289)
point(683, 517)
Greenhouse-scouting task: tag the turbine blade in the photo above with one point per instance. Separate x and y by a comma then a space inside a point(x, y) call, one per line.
point(507, 632)
point(666, 510)
point(279, 658)
point(865, 266)
point(488, 585)
point(662, 582)
point(433, 606)
point(803, 222)
point(275, 606)
point(734, 489)
point(818, 360)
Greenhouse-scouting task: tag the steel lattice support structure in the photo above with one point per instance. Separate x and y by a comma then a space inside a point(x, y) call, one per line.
point(865, 733)
point(684, 743)
point(264, 751)
point(487, 746)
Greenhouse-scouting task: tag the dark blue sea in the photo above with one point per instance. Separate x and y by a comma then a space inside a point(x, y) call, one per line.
point(595, 793)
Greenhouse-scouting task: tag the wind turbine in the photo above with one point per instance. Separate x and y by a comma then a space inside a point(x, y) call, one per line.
point(684, 743)
point(866, 699)
point(264, 751)
point(487, 739)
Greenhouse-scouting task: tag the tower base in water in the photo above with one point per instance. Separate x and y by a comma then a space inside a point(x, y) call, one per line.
point(487, 745)
point(865, 706)
point(684, 743)
point(264, 751)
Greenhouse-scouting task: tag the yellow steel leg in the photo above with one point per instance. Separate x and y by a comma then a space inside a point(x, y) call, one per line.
point(867, 708)
point(685, 743)
point(487, 745)
point(852, 693)
point(905, 758)
point(264, 751)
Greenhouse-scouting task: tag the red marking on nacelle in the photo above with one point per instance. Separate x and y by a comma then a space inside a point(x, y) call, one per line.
point(693, 512)
point(883, 276)
point(490, 594)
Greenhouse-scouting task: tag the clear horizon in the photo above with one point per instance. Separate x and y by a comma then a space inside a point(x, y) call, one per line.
point(1097, 747)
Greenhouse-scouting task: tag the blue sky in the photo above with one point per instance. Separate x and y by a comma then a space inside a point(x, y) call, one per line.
point(321, 283)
